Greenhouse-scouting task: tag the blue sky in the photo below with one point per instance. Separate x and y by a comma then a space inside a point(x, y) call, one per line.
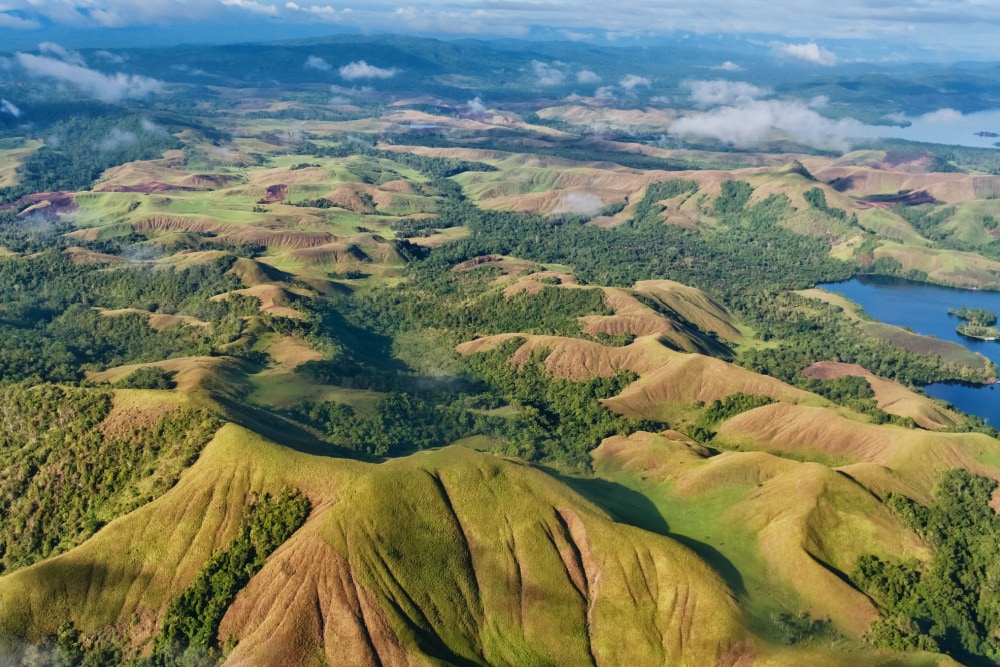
point(925, 29)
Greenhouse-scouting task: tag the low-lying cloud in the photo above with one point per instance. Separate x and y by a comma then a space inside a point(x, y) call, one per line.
point(9, 108)
point(110, 57)
point(63, 54)
point(587, 76)
point(547, 75)
point(152, 128)
point(751, 121)
point(579, 202)
point(315, 62)
point(721, 92)
point(362, 70)
point(811, 52)
point(476, 107)
point(116, 139)
point(104, 87)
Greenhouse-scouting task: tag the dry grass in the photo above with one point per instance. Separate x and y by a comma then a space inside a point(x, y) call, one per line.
point(891, 396)
point(918, 457)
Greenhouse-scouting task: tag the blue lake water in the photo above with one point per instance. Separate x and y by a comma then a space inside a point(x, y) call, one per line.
point(942, 127)
point(924, 309)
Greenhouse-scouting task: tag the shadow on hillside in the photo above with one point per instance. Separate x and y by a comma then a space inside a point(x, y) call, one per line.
point(631, 507)
point(280, 429)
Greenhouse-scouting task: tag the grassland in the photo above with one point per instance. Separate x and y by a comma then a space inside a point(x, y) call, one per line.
point(669, 551)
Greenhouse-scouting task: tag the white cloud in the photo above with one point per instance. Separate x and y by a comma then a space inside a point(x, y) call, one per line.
point(942, 117)
point(632, 81)
point(362, 70)
point(110, 57)
point(810, 52)
point(476, 107)
point(721, 92)
point(587, 76)
point(116, 139)
point(315, 62)
point(9, 108)
point(152, 128)
point(728, 66)
point(71, 57)
point(751, 121)
point(605, 93)
point(17, 23)
point(104, 87)
point(324, 12)
point(546, 74)
point(251, 6)
point(579, 202)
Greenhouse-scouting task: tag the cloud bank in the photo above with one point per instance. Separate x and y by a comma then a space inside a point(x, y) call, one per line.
point(104, 87)
point(586, 76)
point(749, 122)
point(720, 92)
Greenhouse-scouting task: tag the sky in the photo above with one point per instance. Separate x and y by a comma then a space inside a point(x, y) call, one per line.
point(941, 30)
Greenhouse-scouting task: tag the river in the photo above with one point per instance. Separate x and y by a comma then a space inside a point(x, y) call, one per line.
point(924, 309)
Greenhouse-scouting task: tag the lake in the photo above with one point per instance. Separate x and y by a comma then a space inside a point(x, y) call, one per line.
point(924, 309)
point(942, 127)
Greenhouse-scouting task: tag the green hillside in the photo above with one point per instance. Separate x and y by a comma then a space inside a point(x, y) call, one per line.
point(386, 378)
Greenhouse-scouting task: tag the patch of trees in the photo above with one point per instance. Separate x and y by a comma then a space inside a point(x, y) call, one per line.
point(979, 316)
point(81, 147)
point(816, 198)
point(952, 604)
point(553, 420)
point(401, 423)
point(459, 302)
point(319, 202)
point(62, 477)
point(51, 329)
point(648, 209)
point(191, 622)
point(927, 220)
point(149, 377)
point(717, 412)
point(819, 332)
point(748, 252)
point(856, 393)
point(558, 420)
point(733, 198)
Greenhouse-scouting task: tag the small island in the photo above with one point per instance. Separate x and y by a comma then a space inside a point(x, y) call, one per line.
point(979, 323)
point(985, 134)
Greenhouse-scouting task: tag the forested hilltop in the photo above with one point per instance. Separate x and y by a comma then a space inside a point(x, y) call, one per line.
point(276, 357)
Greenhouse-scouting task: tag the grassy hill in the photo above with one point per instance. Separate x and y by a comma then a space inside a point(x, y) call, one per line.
point(381, 379)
